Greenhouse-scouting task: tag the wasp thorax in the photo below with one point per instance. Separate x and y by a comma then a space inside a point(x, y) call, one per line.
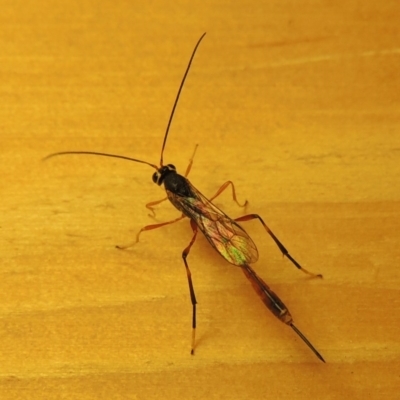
point(159, 176)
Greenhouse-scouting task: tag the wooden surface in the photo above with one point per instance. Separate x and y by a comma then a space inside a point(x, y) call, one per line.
point(296, 102)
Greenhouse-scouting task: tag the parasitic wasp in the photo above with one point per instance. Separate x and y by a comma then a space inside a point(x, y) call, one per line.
point(223, 233)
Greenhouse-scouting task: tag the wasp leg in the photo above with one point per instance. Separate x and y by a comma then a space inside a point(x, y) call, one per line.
point(223, 187)
point(185, 253)
point(151, 205)
point(189, 167)
point(148, 228)
point(282, 248)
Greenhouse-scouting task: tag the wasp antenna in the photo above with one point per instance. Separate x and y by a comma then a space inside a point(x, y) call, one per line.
point(95, 153)
point(177, 97)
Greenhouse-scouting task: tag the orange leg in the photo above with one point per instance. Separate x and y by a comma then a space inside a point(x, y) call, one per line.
point(148, 228)
point(151, 205)
point(282, 248)
point(223, 187)
point(189, 167)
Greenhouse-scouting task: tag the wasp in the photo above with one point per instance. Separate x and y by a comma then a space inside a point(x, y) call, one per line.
point(223, 233)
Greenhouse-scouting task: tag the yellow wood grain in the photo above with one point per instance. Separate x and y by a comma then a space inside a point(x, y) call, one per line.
point(296, 102)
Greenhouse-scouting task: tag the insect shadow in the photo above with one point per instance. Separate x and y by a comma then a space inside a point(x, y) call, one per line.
point(223, 233)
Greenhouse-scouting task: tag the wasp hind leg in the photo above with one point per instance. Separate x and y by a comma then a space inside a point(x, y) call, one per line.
point(185, 253)
point(282, 248)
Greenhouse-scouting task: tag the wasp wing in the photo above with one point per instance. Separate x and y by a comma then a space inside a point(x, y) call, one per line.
point(224, 234)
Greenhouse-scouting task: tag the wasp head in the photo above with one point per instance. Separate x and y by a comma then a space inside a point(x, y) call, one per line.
point(162, 172)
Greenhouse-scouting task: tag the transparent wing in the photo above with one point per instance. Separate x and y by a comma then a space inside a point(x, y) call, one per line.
point(223, 233)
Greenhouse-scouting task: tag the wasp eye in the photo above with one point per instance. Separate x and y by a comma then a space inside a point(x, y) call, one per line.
point(155, 177)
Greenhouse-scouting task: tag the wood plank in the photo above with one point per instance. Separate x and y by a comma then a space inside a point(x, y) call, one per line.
point(298, 104)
